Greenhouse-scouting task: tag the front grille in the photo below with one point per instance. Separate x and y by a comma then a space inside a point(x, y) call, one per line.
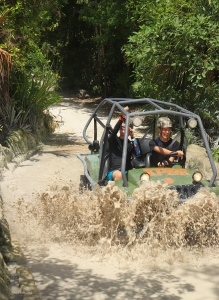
point(186, 191)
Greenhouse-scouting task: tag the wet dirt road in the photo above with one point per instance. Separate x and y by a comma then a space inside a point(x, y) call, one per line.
point(66, 271)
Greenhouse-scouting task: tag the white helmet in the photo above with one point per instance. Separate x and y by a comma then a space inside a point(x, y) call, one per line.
point(164, 122)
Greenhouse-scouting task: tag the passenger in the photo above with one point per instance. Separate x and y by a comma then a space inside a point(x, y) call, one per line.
point(163, 146)
point(116, 149)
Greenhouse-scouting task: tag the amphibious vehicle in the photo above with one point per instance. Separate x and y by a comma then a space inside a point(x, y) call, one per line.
point(143, 115)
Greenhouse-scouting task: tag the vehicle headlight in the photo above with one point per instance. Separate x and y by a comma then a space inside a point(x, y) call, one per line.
point(137, 121)
point(144, 177)
point(197, 176)
point(192, 123)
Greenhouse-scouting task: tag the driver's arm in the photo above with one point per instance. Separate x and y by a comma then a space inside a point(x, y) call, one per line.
point(166, 152)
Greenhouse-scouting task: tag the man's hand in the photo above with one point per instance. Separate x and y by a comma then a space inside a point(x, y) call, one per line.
point(163, 164)
point(125, 108)
point(179, 153)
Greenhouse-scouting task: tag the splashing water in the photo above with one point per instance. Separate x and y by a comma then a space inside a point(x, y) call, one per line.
point(152, 227)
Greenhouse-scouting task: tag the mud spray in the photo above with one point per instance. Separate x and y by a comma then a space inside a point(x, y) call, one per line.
point(153, 230)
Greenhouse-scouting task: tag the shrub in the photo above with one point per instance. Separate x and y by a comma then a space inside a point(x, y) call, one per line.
point(32, 95)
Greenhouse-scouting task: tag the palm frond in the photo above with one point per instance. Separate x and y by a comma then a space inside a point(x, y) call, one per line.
point(4, 15)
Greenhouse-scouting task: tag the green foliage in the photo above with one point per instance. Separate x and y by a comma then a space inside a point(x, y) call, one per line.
point(215, 153)
point(33, 95)
point(93, 34)
point(175, 54)
point(171, 46)
point(8, 117)
point(27, 108)
point(192, 138)
point(25, 27)
point(123, 84)
point(32, 81)
point(17, 141)
point(12, 118)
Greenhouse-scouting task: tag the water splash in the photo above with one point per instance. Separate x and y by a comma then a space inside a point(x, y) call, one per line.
point(151, 228)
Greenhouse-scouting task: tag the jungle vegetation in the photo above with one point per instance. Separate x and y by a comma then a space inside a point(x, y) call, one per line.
point(163, 49)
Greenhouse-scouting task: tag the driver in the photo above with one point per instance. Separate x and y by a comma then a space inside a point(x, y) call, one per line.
point(164, 146)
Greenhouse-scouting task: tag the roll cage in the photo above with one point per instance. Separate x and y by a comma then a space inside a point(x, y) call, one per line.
point(151, 107)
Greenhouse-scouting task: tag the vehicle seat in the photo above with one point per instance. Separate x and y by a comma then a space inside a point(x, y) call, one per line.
point(143, 160)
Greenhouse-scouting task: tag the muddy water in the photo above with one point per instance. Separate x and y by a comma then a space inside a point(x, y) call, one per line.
point(75, 243)
point(151, 226)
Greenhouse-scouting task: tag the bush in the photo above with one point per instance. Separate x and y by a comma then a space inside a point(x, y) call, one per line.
point(32, 95)
point(174, 55)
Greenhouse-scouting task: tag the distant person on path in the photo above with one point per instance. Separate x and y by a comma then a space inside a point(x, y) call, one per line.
point(116, 149)
point(163, 145)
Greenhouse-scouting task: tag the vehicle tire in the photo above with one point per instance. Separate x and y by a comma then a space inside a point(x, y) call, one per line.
point(84, 184)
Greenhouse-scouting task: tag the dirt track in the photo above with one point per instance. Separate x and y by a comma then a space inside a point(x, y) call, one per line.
point(59, 270)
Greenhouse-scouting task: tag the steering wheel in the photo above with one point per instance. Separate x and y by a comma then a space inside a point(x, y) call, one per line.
point(181, 160)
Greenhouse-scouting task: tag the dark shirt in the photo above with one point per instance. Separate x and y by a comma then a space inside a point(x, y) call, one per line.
point(116, 150)
point(157, 157)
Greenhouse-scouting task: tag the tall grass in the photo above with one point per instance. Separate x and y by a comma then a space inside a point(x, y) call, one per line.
point(32, 96)
point(27, 107)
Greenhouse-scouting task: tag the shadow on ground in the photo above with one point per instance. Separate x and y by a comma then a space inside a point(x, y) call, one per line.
point(64, 281)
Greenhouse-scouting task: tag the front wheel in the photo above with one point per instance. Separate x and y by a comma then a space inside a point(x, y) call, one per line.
point(84, 184)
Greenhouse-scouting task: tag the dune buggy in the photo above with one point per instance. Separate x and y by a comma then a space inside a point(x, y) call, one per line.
point(143, 115)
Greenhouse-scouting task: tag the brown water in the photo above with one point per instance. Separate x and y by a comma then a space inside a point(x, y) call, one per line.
point(159, 231)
